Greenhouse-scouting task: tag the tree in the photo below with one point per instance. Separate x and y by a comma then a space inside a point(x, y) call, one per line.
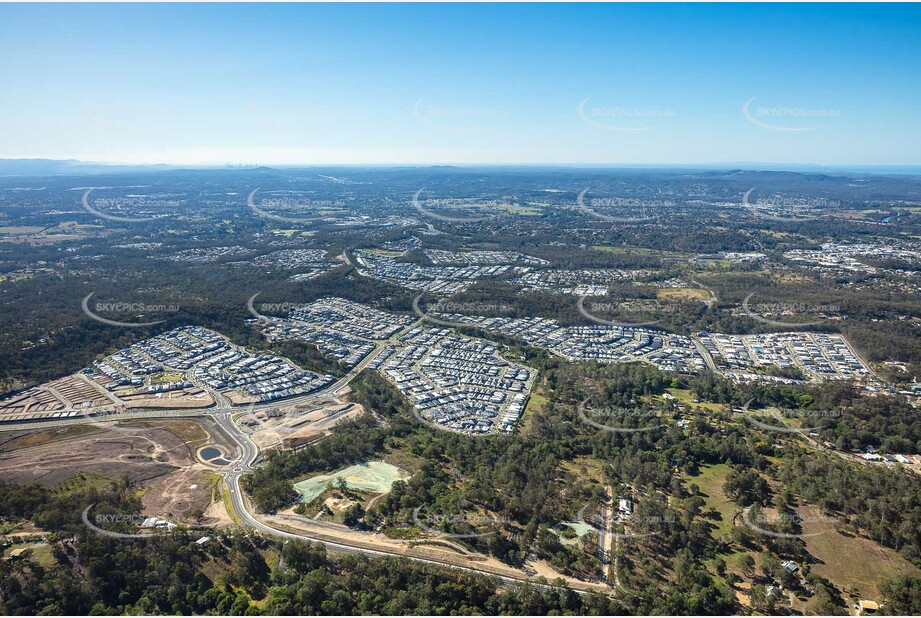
point(353, 515)
point(746, 487)
point(770, 565)
point(747, 564)
point(903, 595)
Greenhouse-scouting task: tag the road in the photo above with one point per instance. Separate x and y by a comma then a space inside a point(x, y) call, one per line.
point(222, 404)
point(241, 507)
point(708, 358)
point(604, 539)
point(223, 413)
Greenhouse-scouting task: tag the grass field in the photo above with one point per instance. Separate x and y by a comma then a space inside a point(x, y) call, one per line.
point(39, 552)
point(190, 431)
point(165, 378)
point(402, 459)
point(636, 251)
point(21, 229)
point(518, 209)
point(228, 504)
point(711, 480)
point(586, 468)
point(687, 397)
point(66, 230)
point(535, 405)
point(849, 561)
point(83, 481)
point(682, 294)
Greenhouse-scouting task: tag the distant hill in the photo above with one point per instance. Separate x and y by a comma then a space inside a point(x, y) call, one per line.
point(60, 167)
point(55, 167)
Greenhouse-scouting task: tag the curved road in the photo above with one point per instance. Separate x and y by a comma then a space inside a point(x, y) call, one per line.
point(223, 414)
point(244, 464)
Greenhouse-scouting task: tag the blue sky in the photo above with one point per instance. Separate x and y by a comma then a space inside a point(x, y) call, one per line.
point(434, 84)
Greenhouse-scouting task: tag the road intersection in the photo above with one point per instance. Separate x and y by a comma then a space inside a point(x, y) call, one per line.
point(225, 415)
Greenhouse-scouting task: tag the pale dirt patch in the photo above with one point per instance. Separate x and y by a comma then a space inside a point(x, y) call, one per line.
point(155, 455)
point(171, 496)
point(373, 540)
point(184, 398)
point(338, 504)
point(283, 426)
point(216, 513)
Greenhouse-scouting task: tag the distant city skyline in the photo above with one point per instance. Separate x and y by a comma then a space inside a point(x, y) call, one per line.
point(420, 84)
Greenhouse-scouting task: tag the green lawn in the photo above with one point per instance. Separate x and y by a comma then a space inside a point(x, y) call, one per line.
point(534, 406)
point(711, 480)
point(687, 397)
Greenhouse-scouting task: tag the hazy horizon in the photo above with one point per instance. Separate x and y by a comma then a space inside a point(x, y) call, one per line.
point(283, 85)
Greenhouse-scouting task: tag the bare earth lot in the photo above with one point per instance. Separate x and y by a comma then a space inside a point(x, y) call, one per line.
point(158, 456)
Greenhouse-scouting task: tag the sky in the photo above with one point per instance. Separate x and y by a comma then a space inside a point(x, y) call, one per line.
point(462, 84)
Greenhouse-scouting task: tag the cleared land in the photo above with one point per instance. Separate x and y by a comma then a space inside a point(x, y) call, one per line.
point(158, 456)
point(683, 294)
point(375, 476)
point(711, 480)
point(850, 561)
point(294, 426)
